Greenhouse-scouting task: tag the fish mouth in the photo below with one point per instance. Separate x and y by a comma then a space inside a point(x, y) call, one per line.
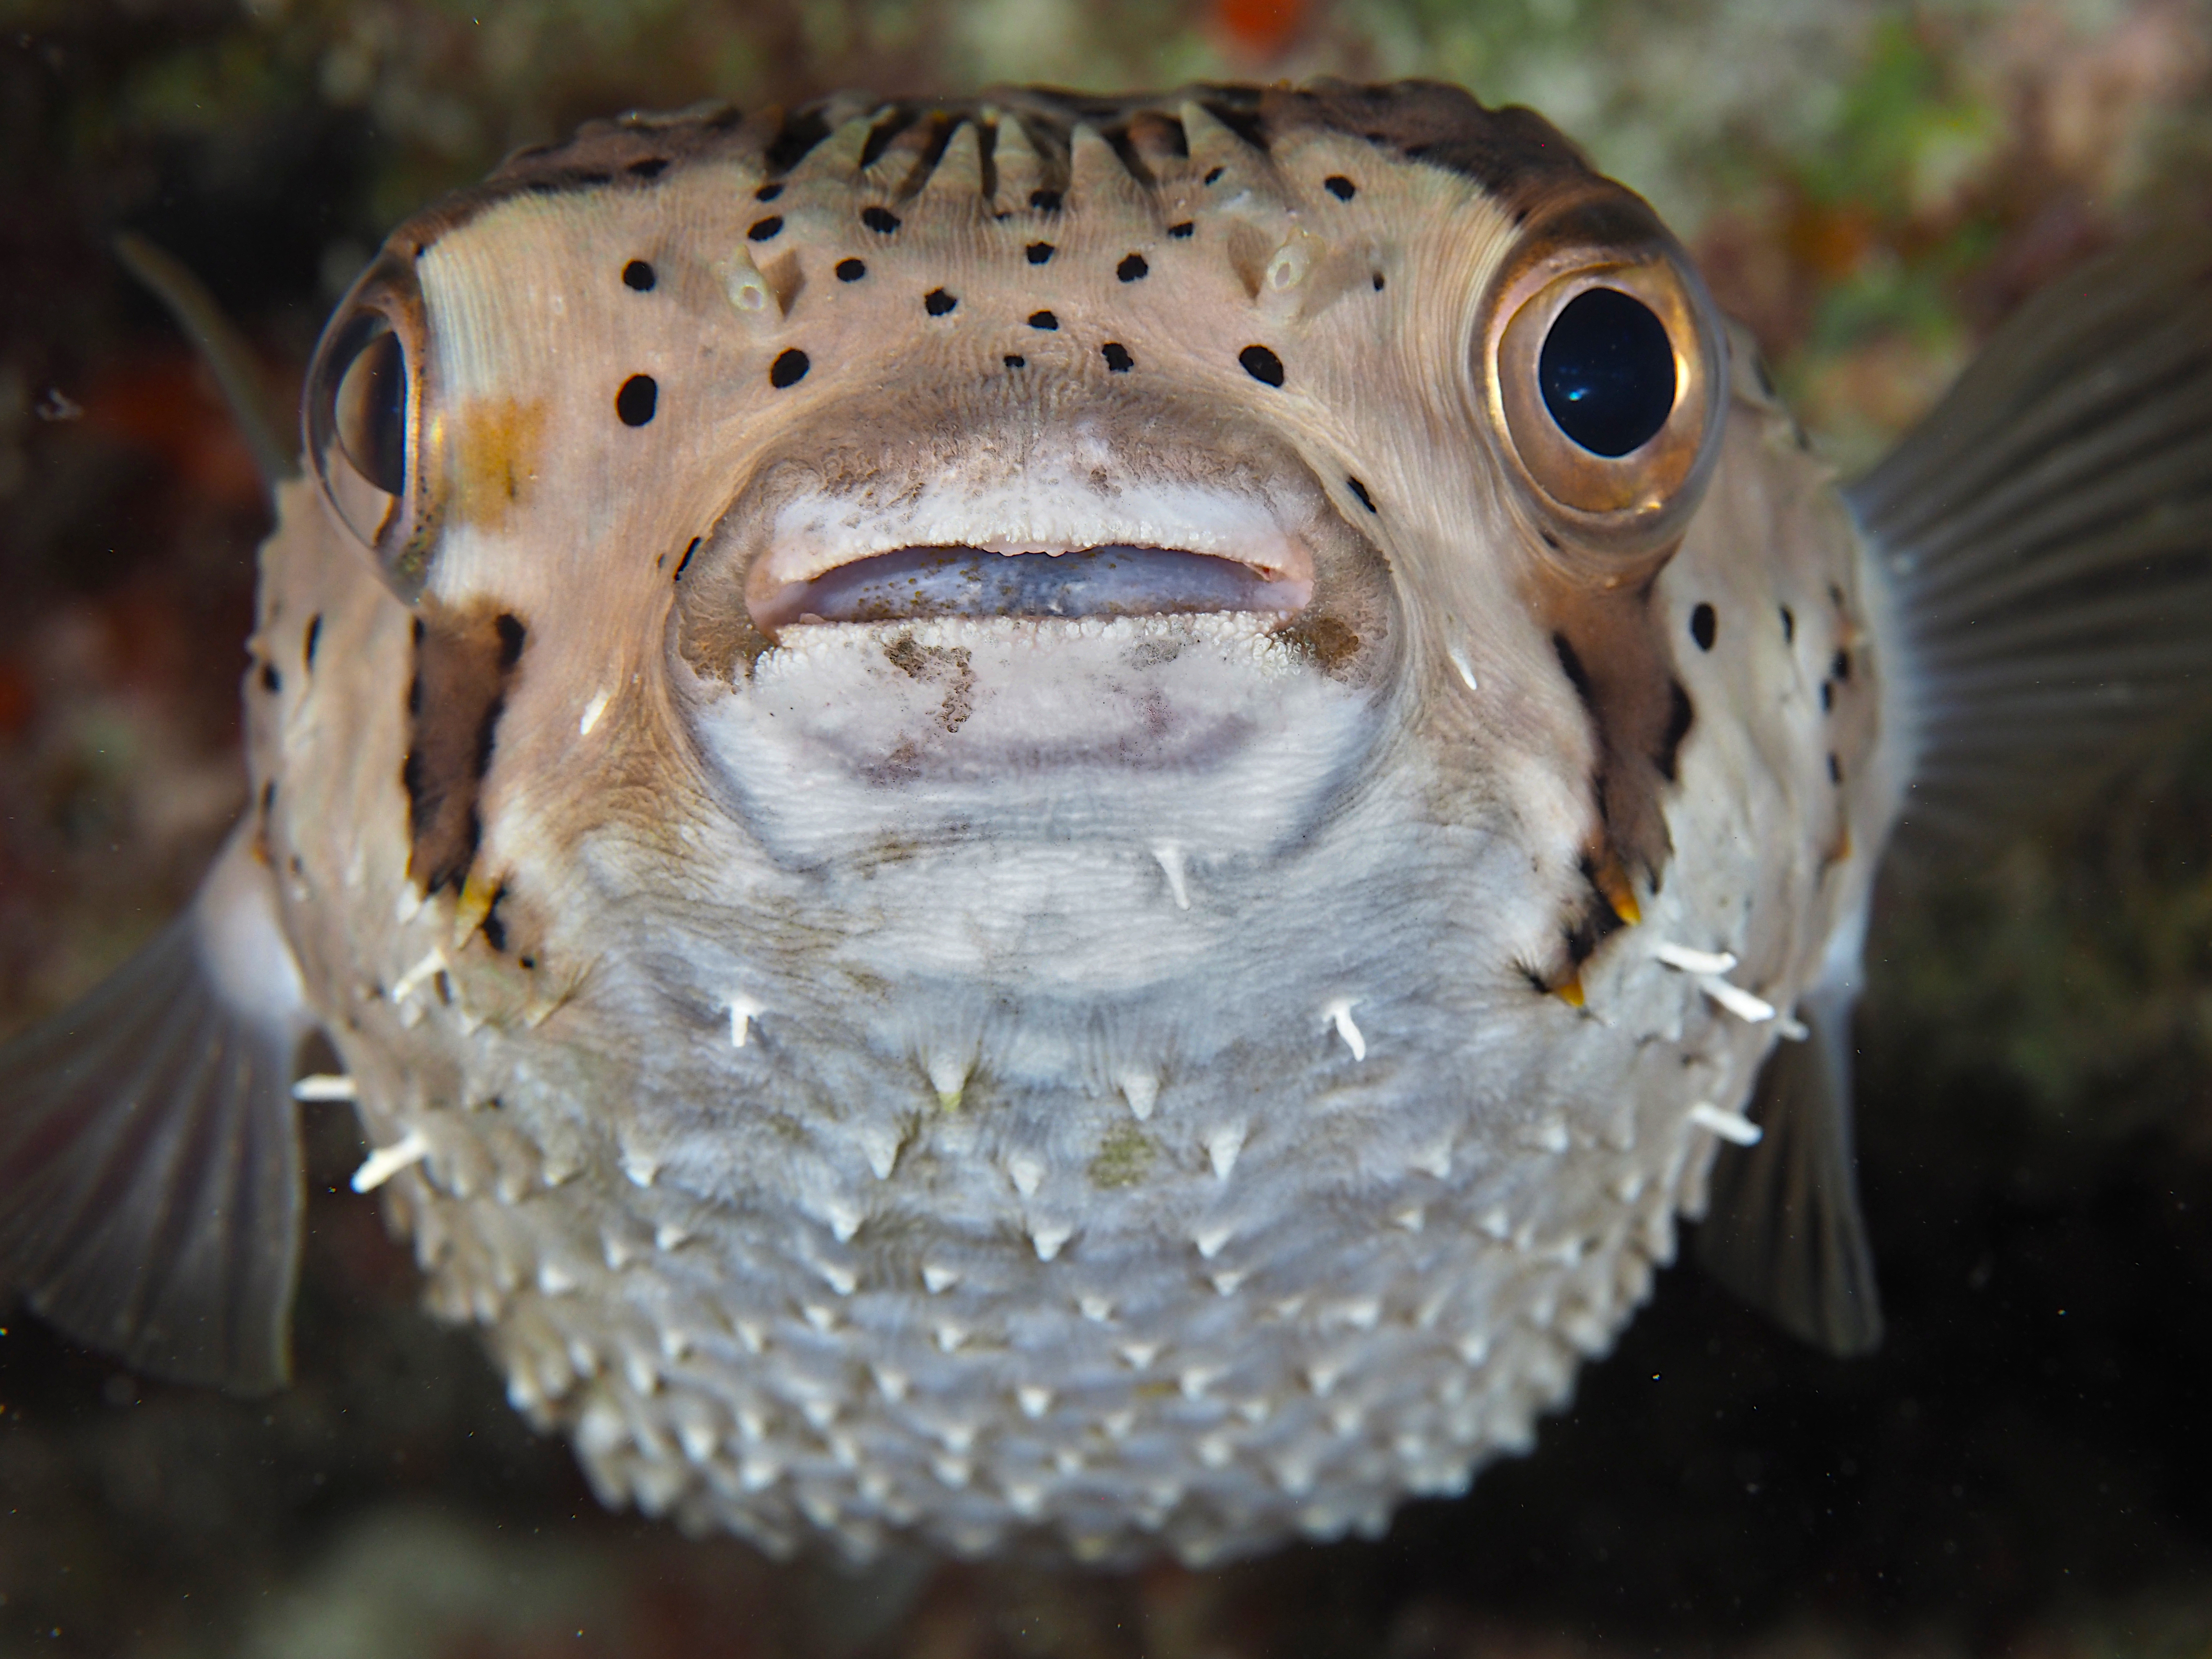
point(979, 521)
point(1116, 579)
point(1199, 552)
point(954, 630)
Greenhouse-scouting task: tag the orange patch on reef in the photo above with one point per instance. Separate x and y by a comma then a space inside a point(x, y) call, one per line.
point(1833, 239)
point(160, 401)
point(18, 701)
point(1261, 27)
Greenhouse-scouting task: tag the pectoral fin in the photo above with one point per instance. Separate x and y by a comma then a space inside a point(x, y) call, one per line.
point(1782, 1228)
point(150, 1187)
point(2047, 540)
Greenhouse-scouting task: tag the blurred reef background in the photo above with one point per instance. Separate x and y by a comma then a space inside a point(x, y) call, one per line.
point(2026, 1466)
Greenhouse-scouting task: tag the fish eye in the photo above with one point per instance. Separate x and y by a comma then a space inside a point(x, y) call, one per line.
point(1605, 376)
point(371, 414)
point(362, 414)
point(1606, 372)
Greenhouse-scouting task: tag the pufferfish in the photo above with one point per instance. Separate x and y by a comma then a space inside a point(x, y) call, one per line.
point(1071, 823)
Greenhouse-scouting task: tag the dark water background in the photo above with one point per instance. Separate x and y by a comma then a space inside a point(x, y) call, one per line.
point(2026, 1467)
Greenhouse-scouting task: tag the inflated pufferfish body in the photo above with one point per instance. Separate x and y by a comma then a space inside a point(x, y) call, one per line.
point(1050, 817)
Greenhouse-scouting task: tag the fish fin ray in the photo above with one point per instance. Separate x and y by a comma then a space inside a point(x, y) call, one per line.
point(1783, 1227)
point(151, 1185)
point(2046, 539)
point(185, 298)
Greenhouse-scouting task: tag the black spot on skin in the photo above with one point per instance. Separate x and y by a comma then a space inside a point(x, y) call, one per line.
point(417, 630)
point(268, 797)
point(492, 926)
point(937, 302)
point(563, 183)
point(463, 668)
point(1360, 490)
point(1378, 281)
point(1117, 357)
point(651, 167)
point(1039, 252)
point(1679, 715)
point(1045, 320)
point(767, 193)
point(271, 681)
point(638, 397)
point(1840, 668)
point(1597, 922)
point(1013, 361)
point(850, 270)
point(1548, 539)
point(884, 133)
point(1132, 268)
point(1827, 696)
point(767, 229)
point(1571, 665)
point(1702, 624)
point(1045, 201)
point(1183, 232)
point(315, 638)
point(1789, 625)
point(1835, 770)
point(640, 275)
point(1262, 364)
point(800, 133)
point(1239, 111)
point(527, 963)
point(488, 736)
point(882, 221)
point(684, 563)
point(1339, 186)
point(1213, 175)
point(789, 368)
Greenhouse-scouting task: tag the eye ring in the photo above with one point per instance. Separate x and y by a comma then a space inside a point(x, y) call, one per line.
point(361, 419)
point(1583, 344)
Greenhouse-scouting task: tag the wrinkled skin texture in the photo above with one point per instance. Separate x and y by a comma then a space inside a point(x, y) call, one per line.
point(1174, 1079)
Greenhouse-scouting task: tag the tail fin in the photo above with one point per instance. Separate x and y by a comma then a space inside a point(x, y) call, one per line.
point(150, 1187)
point(2047, 537)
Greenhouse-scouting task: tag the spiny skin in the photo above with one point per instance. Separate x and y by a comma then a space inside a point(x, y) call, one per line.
point(1094, 1084)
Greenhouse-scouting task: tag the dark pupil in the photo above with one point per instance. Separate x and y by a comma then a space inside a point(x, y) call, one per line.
point(1607, 371)
point(372, 414)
